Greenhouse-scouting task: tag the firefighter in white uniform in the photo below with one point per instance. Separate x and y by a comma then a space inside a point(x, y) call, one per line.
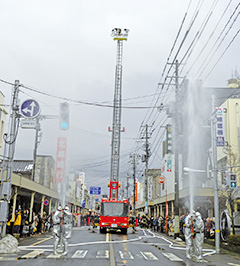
point(66, 228)
point(188, 235)
point(199, 235)
point(57, 228)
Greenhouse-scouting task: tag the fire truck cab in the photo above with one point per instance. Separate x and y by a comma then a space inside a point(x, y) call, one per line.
point(114, 215)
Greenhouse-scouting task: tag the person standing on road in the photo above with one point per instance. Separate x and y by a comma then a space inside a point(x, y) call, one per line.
point(66, 228)
point(199, 235)
point(188, 235)
point(17, 222)
point(57, 228)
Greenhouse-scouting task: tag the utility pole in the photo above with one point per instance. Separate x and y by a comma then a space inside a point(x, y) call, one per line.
point(176, 153)
point(6, 182)
point(134, 157)
point(38, 128)
point(145, 159)
point(215, 177)
point(238, 130)
point(37, 135)
point(127, 185)
point(134, 186)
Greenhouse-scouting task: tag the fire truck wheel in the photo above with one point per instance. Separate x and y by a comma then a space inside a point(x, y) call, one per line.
point(102, 230)
point(124, 231)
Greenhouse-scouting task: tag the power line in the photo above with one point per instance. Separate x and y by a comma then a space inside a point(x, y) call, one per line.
point(222, 55)
point(76, 101)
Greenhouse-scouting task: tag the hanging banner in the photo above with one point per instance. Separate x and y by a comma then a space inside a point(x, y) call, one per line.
point(60, 160)
point(135, 191)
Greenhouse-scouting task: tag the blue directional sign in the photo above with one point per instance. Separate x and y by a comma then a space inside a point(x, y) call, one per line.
point(220, 142)
point(30, 108)
point(84, 203)
point(95, 190)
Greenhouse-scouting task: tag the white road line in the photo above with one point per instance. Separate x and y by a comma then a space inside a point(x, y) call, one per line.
point(80, 254)
point(233, 264)
point(107, 237)
point(52, 256)
point(80, 244)
point(5, 258)
point(172, 257)
point(103, 254)
point(126, 255)
point(32, 254)
point(148, 256)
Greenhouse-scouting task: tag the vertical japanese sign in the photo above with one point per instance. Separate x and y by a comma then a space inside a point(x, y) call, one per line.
point(220, 128)
point(169, 165)
point(60, 161)
point(80, 186)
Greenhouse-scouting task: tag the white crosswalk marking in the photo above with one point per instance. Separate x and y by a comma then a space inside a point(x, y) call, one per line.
point(52, 256)
point(33, 254)
point(172, 257)
point(148, 256)
point(103, 254)
point(5, 258)
point(80, 254)
point(126, 255)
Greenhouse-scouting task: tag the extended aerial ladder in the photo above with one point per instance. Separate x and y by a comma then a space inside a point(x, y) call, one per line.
point(118, 35)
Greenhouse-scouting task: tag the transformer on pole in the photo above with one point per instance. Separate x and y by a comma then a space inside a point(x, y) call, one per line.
point(118, 35)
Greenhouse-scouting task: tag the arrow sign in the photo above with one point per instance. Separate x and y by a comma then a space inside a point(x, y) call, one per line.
point(30, 108)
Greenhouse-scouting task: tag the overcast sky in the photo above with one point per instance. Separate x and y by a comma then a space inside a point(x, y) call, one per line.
point(65, 48)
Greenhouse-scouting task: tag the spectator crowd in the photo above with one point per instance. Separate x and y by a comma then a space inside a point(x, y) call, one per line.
point(20, 225)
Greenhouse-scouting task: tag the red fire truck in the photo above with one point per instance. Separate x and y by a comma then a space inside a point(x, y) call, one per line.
point(114, 213)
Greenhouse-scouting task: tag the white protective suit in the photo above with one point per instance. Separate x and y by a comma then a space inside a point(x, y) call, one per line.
point(188, 235)
point(199, 235)
point(57, 228)
point(66, 228)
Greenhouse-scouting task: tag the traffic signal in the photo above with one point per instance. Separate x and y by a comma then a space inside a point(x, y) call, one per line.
point(233, 180)
point(64, 116)
point(225, 178)
point(169, 139)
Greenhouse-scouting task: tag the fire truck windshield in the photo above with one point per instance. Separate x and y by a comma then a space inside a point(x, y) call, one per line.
point(114, 209)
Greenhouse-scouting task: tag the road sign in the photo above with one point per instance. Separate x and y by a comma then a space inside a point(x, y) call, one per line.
point(95, 190)
point(28, 123)
point(220, 142)
point(46, 202)
point(30, 108)
point(84, 203)
point(161, 179)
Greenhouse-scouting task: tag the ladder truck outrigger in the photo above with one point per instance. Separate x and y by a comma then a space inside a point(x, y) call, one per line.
point(114, 214)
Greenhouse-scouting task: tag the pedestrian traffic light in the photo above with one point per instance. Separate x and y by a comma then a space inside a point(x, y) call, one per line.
point(64, 116)
point(233, 180)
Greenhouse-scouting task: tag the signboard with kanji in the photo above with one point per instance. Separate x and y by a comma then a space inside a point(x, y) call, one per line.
point(60, 161)
point(220, 128)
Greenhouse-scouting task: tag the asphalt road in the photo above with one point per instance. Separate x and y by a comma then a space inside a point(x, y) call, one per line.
point(112, 249)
